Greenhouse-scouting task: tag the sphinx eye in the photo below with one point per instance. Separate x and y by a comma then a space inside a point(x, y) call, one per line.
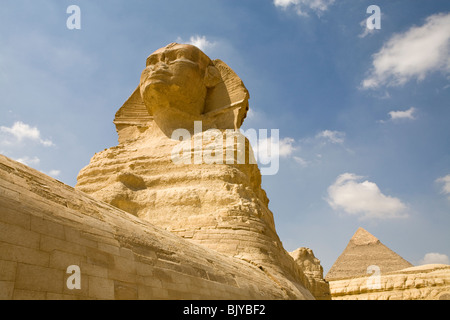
point(152, 60)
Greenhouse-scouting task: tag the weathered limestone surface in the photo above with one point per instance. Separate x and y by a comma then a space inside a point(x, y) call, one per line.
point(217, 202)
point(427, 282)
point(46, 226)
point(310, 265)
point(365, 250)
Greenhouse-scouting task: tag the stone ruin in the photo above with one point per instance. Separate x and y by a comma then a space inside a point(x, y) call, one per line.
point(159, 218)
point(138, 224)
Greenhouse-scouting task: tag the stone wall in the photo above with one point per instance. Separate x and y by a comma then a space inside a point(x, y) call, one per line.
point(428, 282)
point(46, 226)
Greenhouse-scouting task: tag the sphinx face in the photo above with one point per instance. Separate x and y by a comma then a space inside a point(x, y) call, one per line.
point(174, 78)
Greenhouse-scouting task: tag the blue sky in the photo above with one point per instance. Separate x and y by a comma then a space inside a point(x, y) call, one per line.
point(363, 114)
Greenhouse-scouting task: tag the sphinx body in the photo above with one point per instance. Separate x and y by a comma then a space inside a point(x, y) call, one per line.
point(218, 205)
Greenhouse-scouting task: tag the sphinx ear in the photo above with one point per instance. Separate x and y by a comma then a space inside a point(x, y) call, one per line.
point(212, 77)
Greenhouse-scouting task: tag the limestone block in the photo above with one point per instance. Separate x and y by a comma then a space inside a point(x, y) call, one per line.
point(125, 258)
point(37, 278)
point(6, 290)
point(427, 282)
point(7, 270)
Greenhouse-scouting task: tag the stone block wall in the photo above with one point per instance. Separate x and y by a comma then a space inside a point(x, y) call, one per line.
point(427, 282)
point(46, 227)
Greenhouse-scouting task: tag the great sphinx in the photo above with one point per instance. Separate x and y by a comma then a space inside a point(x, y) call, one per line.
point(218, 205)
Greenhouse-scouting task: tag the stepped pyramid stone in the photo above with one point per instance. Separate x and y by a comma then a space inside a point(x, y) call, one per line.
point(362, 251)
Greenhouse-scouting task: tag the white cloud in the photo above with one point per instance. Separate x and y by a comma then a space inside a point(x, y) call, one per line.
point(286, 147)
point(22, 131)
point(255, 116)
point(363, 198)
point(302, 7)
point(332, 136)
point(201, 42)
point(435, 258)
point(54, 173)
point(317, 148)
point(266, 149)
point(401, 115)
point(366, 31)
point(47, 143)
point(412, 54)
point(284, 3)
point(29, 161)
point(446, 185)
point(252, 114)
point(301, 161)
point(408, 114)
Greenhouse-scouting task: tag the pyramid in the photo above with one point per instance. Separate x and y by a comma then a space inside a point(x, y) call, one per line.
point(362, 251)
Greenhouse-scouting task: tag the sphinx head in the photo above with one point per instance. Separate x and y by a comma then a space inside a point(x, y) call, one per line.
point(176, 80)
point(179, 85)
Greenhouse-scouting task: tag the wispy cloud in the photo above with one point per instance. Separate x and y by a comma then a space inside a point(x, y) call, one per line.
point(21, 138)
point(21, 131)
point(412, 54)
point(304, 163)
point(304, 7)
point(366, 31)
point(407, 114)
point(332, 136)
point(435, 258)
point(363, 199)
point(252, 114)
point(401, 115)
point(53, 173)
point(286, 147)
point(199, 41)
point(445, 181)
point(29, 161)
point(267, 148)
point(309, 151)
point(34, 163)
